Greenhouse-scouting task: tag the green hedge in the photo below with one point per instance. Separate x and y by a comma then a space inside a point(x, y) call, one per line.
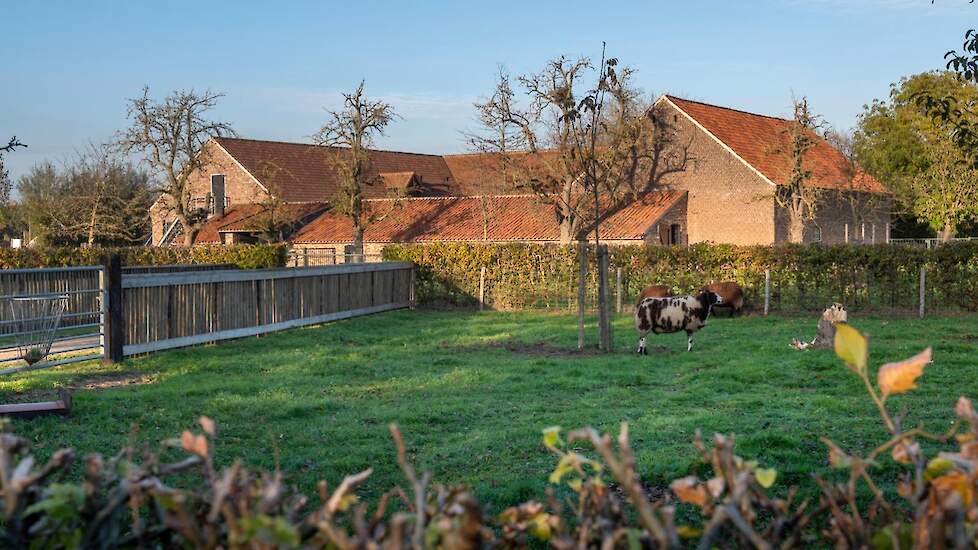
point(804, 277)
point(243, 256)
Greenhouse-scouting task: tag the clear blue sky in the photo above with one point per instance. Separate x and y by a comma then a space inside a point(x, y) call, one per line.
point(68, 67)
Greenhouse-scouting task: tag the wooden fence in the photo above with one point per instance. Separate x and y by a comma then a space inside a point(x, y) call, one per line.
point(171, 310)
point(173, 268)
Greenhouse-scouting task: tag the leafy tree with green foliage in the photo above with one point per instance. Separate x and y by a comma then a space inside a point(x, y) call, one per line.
point(919, 155)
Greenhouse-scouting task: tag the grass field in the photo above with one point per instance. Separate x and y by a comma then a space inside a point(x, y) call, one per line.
point(473, 391)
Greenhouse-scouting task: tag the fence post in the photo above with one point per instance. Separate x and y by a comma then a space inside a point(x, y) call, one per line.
point(604, 317)
point(767, 291)
point(923, 288)
point(482, 288)
point(411, 297)
point(581, 291)
point(112, 310)
point(305, 257)
point(618, 290)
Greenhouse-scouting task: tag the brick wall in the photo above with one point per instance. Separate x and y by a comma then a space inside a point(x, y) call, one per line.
point(676, 215)
point(834, 223)
point(239, 186)
point(728, 202)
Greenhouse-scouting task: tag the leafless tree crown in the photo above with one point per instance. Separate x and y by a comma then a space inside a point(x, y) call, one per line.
point(171, 135)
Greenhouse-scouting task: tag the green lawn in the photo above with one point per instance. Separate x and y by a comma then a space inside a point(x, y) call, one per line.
point(471, 396)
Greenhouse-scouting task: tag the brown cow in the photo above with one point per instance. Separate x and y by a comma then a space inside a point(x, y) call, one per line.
point(655, 291)
point(731, 293)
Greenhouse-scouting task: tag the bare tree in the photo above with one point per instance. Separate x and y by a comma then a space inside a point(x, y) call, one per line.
point(11, 219)
point(587, 152)
point(851, 192)
point(172, 134)
point(798, 198)
point(11, 145)
point(6, 185)
point(352, 130)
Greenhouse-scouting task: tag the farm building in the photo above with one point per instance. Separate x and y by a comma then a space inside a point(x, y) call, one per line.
point(266, 190)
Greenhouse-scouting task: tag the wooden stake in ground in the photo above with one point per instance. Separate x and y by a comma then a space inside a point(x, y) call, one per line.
point(604, 314)
point(581, 292)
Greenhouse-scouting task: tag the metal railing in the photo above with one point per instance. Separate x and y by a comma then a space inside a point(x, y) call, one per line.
point(312, 257)
point(207, 203)
point(929, 243)
point(75, 335)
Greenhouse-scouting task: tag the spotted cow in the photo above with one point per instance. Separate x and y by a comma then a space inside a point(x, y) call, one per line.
point(673, 314)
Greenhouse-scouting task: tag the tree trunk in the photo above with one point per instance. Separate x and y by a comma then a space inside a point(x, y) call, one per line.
point(947, 233)
point(796, 229)
point(189, 231)
point(357, 247)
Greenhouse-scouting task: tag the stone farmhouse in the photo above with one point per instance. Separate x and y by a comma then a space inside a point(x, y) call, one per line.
point(724, 194)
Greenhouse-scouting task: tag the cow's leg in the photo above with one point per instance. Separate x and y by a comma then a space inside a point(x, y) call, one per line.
point(641, 346)
point(689, 340)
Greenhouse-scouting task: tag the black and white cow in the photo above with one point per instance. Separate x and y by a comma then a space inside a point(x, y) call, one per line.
point(663, 315)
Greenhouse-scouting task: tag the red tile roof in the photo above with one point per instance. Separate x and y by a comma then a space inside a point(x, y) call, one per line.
point(762, 142)
point(297, 172)
point(249, 218)
point(482, 173)
point(493, 218)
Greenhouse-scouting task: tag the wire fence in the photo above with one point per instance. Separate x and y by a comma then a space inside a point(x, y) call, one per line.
point(929, 243)
point(901, 292)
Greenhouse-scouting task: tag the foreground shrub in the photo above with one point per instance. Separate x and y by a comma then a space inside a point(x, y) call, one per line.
point(598, 499)
point(243, 256)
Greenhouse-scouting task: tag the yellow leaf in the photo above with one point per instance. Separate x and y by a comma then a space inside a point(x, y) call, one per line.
point(765, 476)
point(551, 436)
point(689, 490)
point(541, 526)
point(851, 347)
point(937, 467)
point(346, 502)
point(894, 378)
point(575, 484)
point(687, 531)
point(955, 481)
point(564, 467)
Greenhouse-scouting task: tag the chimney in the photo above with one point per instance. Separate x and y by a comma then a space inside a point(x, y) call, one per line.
point(217, 194)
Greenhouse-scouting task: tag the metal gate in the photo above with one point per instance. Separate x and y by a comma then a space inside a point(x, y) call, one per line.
point(79, 334)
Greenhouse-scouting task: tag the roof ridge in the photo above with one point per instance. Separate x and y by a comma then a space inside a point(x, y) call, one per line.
point(715, 106)
point(219, 138)
point(451, 197)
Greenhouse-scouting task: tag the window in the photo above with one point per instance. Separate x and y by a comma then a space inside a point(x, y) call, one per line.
point(816, 234)
point(675, 234)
